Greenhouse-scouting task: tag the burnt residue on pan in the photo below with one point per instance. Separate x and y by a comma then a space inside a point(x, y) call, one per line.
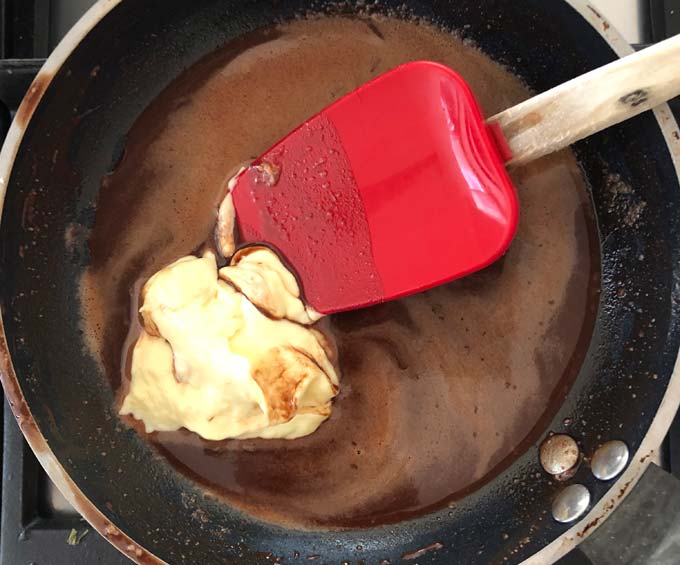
point(31, 99)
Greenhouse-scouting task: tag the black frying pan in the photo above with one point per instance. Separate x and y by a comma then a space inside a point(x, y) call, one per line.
point(140, 46)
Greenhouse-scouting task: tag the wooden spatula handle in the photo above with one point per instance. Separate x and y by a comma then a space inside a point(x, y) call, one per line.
point(592, 102)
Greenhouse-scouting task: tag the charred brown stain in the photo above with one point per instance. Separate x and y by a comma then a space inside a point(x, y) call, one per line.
point(374, 29)
point(72, 233)
point(676, 135)
point(608, 507)
point(16, 400)
point(420, 552)
point(605, 23)
point(594, 11)
point(593, 523)
point(635, 98)
point(569, 473)
point(634, 212)
point(28, 222)
point(32, 98)
point(269, 556)
point(200, 515)
point(645, 457)
point(623, 490)
point(279, 384)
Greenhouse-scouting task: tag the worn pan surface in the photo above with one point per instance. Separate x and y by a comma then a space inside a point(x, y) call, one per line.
point(50, 172)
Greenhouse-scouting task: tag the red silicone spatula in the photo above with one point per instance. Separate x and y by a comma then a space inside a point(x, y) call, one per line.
point(401, 185)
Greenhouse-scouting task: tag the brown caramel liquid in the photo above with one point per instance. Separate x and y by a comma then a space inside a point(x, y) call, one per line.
point(441, 390)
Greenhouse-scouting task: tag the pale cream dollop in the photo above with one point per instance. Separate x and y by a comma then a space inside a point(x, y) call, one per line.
point(211, 361)
point(261, 276)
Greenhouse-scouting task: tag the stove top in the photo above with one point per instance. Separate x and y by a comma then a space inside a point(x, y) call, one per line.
point(39, 527)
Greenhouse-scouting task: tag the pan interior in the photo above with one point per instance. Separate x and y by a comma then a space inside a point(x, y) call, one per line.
point(441, 390)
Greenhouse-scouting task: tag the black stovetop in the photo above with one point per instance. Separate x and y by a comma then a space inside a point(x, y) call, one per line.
point(38, 527)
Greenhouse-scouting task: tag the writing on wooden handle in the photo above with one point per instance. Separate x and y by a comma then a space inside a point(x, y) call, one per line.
point(592, 102)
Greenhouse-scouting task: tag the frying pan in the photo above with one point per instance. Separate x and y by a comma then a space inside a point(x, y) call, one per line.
point(61, 144)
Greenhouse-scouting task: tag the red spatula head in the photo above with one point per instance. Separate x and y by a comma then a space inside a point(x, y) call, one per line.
point(393, 189)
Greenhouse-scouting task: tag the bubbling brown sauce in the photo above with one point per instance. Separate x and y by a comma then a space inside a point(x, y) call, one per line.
point(441, 390)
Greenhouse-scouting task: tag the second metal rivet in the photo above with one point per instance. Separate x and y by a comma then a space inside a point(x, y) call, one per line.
point(609, 460)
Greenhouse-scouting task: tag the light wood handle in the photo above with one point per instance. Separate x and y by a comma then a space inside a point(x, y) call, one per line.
point(592, 102)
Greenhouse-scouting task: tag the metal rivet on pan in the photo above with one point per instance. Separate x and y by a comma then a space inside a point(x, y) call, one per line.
point(558, 454)
point(571, 503)
point(609, 460)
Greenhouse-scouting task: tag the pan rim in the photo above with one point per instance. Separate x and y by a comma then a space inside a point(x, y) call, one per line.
point(550, 553)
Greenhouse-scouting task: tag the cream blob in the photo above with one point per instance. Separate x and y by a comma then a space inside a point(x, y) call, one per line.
point(212, 362)
point(261, 276)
